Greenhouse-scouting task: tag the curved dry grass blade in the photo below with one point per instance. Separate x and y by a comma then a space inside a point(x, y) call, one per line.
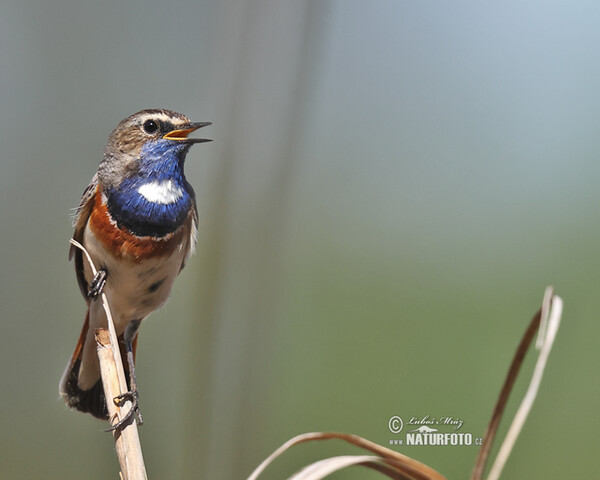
point(511, 376)
point(549, 334)
point(546, 307)
point(323, 468)
point(513, 371)
point(417, 469)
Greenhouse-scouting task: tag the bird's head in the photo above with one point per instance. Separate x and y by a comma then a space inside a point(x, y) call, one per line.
point(150, 143)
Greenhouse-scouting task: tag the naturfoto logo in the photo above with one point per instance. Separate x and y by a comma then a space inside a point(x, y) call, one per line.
point(426, 431)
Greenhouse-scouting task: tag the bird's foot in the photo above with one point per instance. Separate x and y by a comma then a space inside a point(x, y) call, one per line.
point(120, 400)
point(97, 284)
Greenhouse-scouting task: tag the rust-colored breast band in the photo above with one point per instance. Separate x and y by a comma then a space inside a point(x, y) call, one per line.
point(122, 243)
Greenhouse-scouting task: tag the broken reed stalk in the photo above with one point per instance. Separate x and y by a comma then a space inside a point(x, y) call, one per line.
point(127, 440)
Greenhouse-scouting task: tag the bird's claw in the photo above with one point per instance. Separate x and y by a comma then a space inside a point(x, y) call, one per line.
point(119, 401)
point(97, 284)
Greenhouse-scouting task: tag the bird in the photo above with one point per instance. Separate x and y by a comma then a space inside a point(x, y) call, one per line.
point(137, 219)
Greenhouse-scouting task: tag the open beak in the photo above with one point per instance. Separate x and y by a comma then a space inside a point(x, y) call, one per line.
point(182, 134)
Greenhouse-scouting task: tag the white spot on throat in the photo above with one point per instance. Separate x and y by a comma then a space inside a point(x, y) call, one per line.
point(163, 192)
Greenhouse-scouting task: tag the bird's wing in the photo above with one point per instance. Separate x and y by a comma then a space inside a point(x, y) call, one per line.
point(193, 235)
point(80, 219)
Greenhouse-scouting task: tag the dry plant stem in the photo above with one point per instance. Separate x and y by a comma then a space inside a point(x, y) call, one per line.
point(127, 442)
point(551, 315)
point(513, 371)
point(131, 456)
point(411, 468)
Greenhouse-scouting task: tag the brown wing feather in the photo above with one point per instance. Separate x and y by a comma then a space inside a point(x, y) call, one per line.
point(193, 237)
point(82, 214)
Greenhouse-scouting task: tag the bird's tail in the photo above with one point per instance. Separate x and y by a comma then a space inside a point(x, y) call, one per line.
point(88, 401)
point(92, 400)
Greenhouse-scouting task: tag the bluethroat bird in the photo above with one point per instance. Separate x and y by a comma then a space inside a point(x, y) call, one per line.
point(137, 219)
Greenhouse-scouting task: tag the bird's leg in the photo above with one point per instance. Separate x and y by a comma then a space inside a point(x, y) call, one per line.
point(97, 284)
point(133, 394)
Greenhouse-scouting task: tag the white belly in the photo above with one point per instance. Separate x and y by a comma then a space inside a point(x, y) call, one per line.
point(134, 289)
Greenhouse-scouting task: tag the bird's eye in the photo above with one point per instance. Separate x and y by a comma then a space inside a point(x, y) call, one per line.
point(150, 126)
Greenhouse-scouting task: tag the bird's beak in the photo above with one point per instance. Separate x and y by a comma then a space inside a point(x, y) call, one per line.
point(182, 133)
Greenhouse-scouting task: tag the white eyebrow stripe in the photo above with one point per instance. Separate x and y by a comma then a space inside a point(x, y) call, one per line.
point(164, 192)
point(162, 117)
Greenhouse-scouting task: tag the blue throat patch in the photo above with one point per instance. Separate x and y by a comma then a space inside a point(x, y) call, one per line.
point(160, 161)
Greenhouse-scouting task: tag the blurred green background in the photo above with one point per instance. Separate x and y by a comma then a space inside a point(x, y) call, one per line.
point(391, 187)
